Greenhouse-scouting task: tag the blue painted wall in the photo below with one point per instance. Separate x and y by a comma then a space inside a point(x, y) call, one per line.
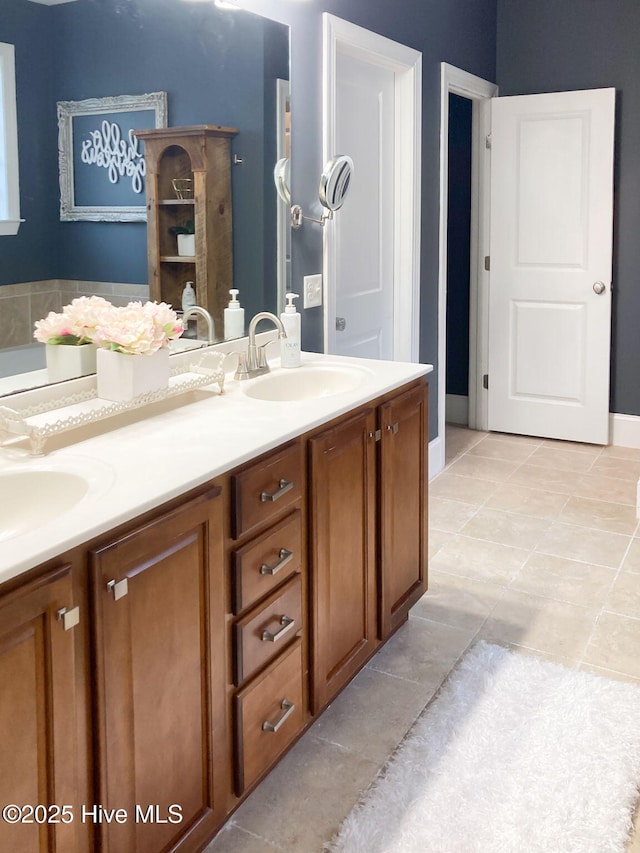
point(549, 46)
point(33, 252)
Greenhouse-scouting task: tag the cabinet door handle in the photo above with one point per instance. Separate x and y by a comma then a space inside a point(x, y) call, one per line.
point(69, 618)
point(284, 487)
point(288, 708)
point(393, 428)
point(119, 588)
point(287, 624)
point(285, 557)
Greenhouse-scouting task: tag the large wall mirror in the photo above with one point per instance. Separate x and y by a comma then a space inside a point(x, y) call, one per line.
point(225, 67)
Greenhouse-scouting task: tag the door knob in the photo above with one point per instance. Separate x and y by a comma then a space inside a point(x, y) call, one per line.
point(599, 287)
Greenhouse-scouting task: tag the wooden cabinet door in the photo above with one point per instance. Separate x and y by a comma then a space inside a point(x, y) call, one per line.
point(403, 483)
point(160, 668)
point(38, 735)
point(343, 558)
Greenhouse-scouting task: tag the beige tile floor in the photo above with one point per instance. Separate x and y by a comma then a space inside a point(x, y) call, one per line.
point(533, 544)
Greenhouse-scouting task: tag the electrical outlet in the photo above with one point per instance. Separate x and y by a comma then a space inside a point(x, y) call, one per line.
point(312, 291)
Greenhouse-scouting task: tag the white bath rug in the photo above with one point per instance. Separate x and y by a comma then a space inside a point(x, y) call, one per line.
point(514, 755)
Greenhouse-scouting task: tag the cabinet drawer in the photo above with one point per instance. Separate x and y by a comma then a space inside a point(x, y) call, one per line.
point(261, 635)
point(269, 715)
point(262, 491)
point(265, 562)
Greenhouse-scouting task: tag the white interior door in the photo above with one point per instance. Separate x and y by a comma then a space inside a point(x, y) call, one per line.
point(550, 282)
point(364, 227)
point(372, 99)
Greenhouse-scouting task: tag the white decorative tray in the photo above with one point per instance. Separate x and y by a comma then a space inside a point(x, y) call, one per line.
point(40, 422)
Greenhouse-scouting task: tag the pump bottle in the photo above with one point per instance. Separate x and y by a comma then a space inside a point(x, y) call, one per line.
point(234, 317)
point(188, 296)
point(290, 346)
point(188, 301)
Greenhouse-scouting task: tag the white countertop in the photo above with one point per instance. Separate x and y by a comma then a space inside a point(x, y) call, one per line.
point(138, 467)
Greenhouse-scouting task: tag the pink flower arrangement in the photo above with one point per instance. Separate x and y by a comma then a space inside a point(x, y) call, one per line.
point(139, 328)
point(136, 329)
point(75, 325)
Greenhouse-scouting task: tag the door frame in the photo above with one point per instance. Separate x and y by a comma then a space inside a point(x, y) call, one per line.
point(456, 81)
point(406, 63)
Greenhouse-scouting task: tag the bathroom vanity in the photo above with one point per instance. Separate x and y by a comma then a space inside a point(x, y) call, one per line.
point(164, 641)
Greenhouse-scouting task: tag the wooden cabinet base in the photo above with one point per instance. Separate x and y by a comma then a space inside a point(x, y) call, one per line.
point(211, 629)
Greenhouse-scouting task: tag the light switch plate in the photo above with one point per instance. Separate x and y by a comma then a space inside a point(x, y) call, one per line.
point(312, 291)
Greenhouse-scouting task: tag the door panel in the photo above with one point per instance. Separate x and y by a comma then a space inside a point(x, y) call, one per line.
point(364, 227)
point(544, 328)
point(551, 240)
point(343, 553)
point(553, 192)
point(403, 506)
point(160, 671)
point(38, 730)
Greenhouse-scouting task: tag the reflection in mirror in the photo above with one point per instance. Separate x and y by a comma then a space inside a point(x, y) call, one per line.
point(218, 67)
point(282, 175)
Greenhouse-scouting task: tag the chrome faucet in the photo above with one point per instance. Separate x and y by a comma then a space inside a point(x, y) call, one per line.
point(255, 362)
point(197, 311)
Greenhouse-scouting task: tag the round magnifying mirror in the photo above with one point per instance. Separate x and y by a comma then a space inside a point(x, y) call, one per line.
point(334, 183)
point(282, 178)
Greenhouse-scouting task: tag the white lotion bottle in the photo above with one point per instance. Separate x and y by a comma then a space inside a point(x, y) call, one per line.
point(234, 317)
point(188, 301)
point(290, 346)
point(188, 296)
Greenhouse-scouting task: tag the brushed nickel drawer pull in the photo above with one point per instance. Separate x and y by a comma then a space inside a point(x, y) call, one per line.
point(69, 617)
point(285, 557)
point(287, 624)
point(284, 487)
point(118, 589)
point(392, 428)
point(288, 708)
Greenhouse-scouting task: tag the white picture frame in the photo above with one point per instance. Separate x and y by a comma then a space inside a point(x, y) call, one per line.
point(99, 150)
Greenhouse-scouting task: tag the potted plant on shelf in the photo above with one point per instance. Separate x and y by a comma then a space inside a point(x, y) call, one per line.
point(186, 236)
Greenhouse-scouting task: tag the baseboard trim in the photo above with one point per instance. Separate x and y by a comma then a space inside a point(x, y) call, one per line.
point(436, 457)
point(624, 430)
point(457, 409)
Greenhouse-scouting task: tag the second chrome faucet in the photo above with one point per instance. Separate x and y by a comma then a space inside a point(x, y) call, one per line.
point(255, 363)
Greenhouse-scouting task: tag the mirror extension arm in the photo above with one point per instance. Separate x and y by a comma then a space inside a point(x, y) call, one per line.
point(334, 186)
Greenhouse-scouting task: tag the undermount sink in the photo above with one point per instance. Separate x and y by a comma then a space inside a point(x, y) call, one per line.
point(307, 382)
point(33, 497)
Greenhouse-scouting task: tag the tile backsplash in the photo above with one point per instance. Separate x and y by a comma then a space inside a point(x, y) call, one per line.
point(22, 304)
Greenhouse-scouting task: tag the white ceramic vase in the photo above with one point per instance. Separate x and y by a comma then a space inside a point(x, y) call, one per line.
point(122, 377)
point(69, 362)
point(186, 245)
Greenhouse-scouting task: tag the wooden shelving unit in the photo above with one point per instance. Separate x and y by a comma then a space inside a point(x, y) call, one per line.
point(201, 153)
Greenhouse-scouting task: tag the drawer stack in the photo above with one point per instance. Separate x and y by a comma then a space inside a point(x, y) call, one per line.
point(268, 603)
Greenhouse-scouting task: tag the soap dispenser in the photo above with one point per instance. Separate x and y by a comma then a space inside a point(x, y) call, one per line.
point(290, 346)
point(188, 296)
point(234, 317)
point(188, 301)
